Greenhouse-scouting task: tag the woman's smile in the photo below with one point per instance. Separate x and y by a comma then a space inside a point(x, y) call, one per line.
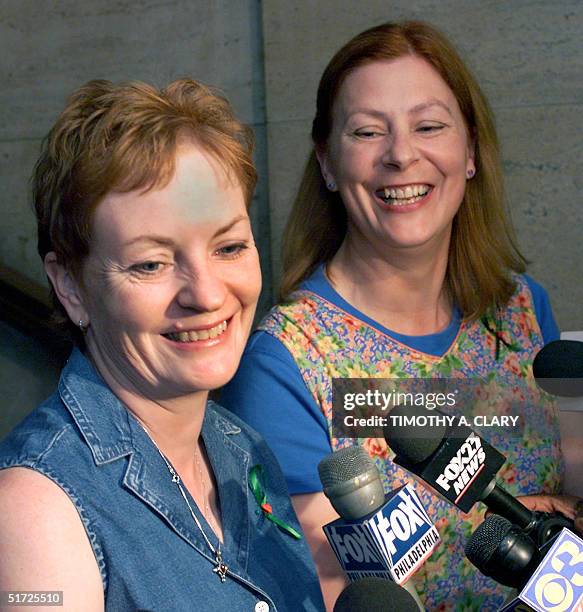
point(210, 332)
point(403, 198)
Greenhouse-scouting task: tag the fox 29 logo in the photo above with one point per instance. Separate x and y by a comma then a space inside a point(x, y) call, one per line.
point(557, 584)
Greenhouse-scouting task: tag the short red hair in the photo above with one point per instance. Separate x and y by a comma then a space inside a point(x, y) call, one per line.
point(122, 138)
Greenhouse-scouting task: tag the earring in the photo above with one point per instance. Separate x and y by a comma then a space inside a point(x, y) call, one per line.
point(470, 173)
point(82, 326)
point(331, 185)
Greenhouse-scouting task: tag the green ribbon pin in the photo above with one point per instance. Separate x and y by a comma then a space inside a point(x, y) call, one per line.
point(257, 486)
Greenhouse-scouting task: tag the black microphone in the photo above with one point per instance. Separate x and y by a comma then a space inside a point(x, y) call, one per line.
point(547, 577)
point(456, 462)
point(503, 552)
point(375, 595)
point(558, 368)
point(460, 466)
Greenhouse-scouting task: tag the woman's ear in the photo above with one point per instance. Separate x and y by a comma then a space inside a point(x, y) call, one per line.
point(471, 163)
point(322, 157)
point(66, 288)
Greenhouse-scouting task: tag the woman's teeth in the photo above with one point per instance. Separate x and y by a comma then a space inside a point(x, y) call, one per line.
point(194, 336)
point(400, 196)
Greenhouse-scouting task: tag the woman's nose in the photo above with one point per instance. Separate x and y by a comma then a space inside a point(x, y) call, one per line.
point(203, 291)
point(400, 151)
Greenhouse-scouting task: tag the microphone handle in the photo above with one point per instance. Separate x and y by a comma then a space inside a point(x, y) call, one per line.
point(502, 503)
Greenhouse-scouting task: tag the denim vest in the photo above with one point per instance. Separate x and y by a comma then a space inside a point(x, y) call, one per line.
point(150, 553)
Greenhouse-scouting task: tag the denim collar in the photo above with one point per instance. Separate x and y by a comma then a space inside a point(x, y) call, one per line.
point(112, 433)
point(108, 429)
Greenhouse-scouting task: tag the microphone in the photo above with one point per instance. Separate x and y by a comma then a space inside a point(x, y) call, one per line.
point(460, 466)
point(503, 552)
point(558, 368)
point(551, 578)
point(456, 462)
point(374, 595)
point(351, 482)
point(377, 536)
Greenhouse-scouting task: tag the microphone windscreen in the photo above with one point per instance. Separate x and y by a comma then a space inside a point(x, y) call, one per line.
point(483, 543)
point(558, 368)
point(416, 443)
point(351, 482)
point(375, 595)
point(344, 465)
point(502, 551)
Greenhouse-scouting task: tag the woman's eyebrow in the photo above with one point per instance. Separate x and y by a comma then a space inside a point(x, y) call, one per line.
point(230, 225)
point(428, 104)
point(415, 109)
point(155, 240)
point(366, 111)
point(150, 239)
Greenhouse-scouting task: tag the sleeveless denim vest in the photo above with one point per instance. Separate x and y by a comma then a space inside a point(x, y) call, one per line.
point(150, 553)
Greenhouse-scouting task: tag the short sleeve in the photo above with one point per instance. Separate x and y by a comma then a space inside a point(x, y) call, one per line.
point(269, 393)
point(543, 311)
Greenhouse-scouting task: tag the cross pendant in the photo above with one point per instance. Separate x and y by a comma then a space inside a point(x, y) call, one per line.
point(221, 568)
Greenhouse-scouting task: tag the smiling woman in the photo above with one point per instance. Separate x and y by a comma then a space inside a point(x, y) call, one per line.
point(136, 488)
point(170, 284)
point(400, 261)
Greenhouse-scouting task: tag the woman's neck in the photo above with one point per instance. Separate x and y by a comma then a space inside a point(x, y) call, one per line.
point(174, 423)
point(402, 289)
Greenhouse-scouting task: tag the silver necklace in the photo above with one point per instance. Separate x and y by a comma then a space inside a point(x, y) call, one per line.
point(207, 511)
point(221, 568)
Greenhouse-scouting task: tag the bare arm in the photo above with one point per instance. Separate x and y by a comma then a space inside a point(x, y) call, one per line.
point(314, 510)
point(43, 545)
point(572, 444)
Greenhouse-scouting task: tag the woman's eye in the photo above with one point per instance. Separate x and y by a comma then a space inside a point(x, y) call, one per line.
point(147, 267)
point(231, 251)
point(430, 128)
point(367, 133)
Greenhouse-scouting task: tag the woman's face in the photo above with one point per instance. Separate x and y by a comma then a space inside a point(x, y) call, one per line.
point(172, 281)
point(399, 153)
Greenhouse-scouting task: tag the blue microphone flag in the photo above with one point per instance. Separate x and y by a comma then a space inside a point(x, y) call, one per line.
point(392, 542)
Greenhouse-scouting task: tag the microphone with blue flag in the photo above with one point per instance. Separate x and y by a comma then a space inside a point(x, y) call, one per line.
point(377, 536)
point(557, 583)
point(549, 578)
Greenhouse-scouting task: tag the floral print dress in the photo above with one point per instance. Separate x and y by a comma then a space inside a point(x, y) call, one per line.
point(327, 342)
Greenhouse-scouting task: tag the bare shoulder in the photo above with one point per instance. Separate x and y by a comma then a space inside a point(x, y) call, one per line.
point(43, 544)
point(12, 480)
point(31, 502)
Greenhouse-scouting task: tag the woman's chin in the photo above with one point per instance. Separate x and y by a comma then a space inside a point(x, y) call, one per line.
point(214, 376)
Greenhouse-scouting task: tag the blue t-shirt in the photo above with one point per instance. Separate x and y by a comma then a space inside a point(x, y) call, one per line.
point(268, 385)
